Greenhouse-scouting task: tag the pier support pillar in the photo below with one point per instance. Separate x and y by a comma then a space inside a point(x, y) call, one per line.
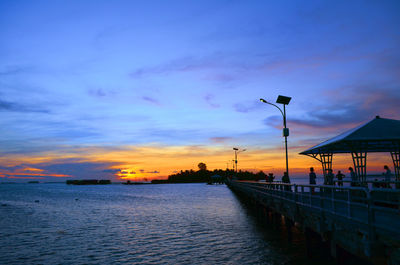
point(289, 225)
point(308, 234)
point(267, 215)
point(333, 249)
point(277, 219)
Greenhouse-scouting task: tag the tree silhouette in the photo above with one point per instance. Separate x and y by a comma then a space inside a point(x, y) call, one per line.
point(202, 166)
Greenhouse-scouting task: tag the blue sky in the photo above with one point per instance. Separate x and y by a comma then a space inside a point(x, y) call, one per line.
point(79, 78)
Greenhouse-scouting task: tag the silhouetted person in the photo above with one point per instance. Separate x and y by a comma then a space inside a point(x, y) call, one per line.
point(388, 176)
point(340, 177)
point(271, 177)
point(354, 178)
point(286, 180)
point(376, 183)
point(313, 179)
point(329, 177)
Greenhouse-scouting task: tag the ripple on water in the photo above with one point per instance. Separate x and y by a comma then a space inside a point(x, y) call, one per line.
point(118, 224)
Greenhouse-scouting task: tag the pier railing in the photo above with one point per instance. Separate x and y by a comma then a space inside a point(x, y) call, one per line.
point(378, 210)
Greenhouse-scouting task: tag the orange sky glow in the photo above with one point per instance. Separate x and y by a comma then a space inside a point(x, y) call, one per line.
point(157, 162)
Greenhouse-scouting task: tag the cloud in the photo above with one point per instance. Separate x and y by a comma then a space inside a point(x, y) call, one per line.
point(362, 104)
point(209, 98)
point(79, 169)
point(184, 64)
point(153, 172)
point(61, 169)
point(97, 92)
point(220, 77)
point(151, 100)
point(339, 110)
point(101, 93)
point(248, 106)
point(220, 139)
point(112, 170)
point(217, 66)
point(21, 177)
point(17, 107)
point(15, 70)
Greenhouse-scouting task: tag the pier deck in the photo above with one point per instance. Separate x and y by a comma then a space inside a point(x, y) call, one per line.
point(364, 222)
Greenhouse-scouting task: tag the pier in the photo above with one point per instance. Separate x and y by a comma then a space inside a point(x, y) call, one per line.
point(362, 221)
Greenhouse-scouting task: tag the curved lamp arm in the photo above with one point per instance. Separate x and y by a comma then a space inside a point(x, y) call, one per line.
point(264, 101)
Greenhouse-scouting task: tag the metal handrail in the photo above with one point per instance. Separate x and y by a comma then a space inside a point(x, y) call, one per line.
point(337, 200)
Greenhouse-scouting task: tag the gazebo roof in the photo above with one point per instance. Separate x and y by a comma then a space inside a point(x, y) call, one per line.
point(377, 135)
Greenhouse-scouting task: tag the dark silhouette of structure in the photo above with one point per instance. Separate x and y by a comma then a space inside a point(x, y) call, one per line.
point(284, 101)
point(89, 182)
point(378, 135)
point(357, 220)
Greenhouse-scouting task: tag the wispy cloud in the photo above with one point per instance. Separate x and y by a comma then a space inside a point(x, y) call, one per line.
point(185, 64)
point(220, 139)
point(209, 98)
point(15, 70)
point(153, 172)
point(151, 100)
point(17, 107)
point(245, 107)
point(348, 108)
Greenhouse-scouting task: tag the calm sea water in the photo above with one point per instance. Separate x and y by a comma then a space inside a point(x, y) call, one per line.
point(146, 224)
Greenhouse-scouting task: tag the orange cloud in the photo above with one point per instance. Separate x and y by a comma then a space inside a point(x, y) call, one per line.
point(32, 169)
point(158, 161)
point(14, 177)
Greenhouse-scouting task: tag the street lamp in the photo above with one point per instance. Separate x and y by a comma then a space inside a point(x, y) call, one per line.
point(284, 101)
point(237, 151)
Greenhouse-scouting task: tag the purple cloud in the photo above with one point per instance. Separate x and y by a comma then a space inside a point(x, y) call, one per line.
point(17, 107)
point(220, 139)
point(209, 98)
point(153, 172)
point(151, 100)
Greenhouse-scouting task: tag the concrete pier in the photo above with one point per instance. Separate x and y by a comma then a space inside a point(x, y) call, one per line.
point(364, 222)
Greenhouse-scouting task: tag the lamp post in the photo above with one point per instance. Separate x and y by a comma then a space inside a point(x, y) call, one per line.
point(237, 151)
point(284, 101)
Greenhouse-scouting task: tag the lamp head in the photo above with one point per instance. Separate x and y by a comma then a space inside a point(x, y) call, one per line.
point(236, 149)
point(263, 100)
point(283, 100)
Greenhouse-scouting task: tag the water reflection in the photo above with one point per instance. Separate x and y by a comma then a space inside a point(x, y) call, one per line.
point(140, 224)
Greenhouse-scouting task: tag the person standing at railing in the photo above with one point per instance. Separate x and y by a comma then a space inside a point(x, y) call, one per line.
point(286, 180)
point(354, 178)
point(271, 177)
point(340, 177)
point(329, 177)
point(388, 176)
point(313, 179)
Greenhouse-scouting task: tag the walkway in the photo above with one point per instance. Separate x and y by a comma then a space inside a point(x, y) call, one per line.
point(365, 222)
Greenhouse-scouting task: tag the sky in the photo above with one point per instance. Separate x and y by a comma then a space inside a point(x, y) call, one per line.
point(142, 89)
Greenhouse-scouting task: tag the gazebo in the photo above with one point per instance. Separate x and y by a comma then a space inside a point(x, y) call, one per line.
point(377, 135)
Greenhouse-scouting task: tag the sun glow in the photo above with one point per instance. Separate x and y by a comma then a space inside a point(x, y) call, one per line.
point(131, 174)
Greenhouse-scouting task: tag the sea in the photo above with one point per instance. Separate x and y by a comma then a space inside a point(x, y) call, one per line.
point(139, 224)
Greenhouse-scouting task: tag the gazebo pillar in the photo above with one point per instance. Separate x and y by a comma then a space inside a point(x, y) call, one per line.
point(360, 165)
point(396, 161)
point(396, 164)
point(326, 161)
